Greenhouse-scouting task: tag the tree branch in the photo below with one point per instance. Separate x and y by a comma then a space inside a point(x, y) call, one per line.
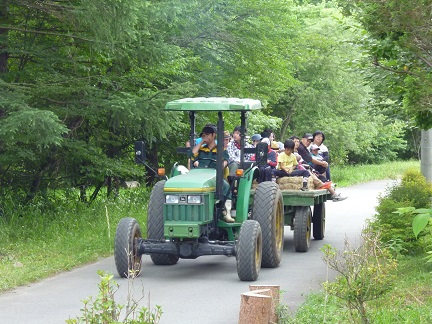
point(44, 33)
point(378, 64)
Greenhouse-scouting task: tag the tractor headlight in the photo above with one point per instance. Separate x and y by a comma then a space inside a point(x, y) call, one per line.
point(194, 199)
point(172, 199)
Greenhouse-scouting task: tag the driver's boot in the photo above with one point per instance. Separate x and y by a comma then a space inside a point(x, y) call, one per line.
point(227, 212)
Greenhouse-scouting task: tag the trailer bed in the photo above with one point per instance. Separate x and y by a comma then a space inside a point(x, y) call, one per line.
point(303, 198)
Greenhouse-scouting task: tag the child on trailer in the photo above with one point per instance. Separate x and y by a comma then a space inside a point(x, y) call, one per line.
point(287, 165)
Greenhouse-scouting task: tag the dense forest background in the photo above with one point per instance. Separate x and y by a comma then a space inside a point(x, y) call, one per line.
point(80, 81)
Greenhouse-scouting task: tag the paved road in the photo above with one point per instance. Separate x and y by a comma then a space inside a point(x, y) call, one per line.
point(206, 290)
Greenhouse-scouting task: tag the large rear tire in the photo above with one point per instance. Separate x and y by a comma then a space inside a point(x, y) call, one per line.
point(155, 224)
point(268, 211)
point(302, 228)
point(249, 251)
point(318, 220)
point(126, 247)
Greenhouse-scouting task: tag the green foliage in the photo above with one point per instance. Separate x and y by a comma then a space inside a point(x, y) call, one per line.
point(38, 128)
point(412, 191)
point(365, 273)
point(419, 223)
point(104, 309)
point(423, 217)
point(398, 43)
point(82, 80)
point(413, 187)
point(330, 93)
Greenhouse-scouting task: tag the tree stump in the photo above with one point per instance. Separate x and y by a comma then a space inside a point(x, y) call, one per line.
point(256, 307)
point(275, 294)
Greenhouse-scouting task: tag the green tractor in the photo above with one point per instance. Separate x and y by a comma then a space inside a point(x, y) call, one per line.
point(185, 212)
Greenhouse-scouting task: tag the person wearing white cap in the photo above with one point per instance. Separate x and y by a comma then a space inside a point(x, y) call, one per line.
point(314, 149)
point(305, 153)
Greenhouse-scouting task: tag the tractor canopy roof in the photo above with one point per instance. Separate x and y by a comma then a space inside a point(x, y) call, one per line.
point(213, 104)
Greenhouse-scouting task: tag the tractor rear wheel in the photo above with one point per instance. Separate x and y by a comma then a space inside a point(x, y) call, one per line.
point(155, 224)
point(302, 228)
point(249, 251)
point(318, 220)
point(126, 249)
point(268, 211)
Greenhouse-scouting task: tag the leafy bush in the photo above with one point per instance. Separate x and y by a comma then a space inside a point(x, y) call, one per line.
point(413, 188)
point(412, 191)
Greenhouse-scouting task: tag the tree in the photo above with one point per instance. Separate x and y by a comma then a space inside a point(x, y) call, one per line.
point(399, 44)
point(103, 81)
point(330, 93)
point(106, 68)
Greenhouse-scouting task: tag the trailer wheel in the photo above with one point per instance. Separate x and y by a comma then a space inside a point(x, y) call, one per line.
point(155, 224)
point(249, 251)
point(268, 211)
point(319, 221)
point(302, 228)
point(126, 248)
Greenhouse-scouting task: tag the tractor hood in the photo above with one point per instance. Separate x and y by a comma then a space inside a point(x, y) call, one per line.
point(196, 180)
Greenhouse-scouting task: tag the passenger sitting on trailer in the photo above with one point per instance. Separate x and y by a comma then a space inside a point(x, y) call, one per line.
point(234, 150)
point(306, 155)
point(287, 165)
point(266, 171)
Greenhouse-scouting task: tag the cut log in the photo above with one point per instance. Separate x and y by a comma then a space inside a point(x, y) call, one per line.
point(275, 294)
point(256, 307)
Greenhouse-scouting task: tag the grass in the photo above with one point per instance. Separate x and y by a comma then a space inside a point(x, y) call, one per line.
point(39, 241)
point(355, 174)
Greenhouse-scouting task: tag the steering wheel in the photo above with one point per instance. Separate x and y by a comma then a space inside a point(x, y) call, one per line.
point(204, 159)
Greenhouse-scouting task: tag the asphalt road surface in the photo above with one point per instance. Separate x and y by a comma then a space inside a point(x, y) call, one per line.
point(205, 290)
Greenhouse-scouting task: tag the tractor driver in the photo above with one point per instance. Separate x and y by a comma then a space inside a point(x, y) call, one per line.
point(204, 155)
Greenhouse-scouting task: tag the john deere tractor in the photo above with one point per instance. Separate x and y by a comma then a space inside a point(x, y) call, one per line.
point(185, 212)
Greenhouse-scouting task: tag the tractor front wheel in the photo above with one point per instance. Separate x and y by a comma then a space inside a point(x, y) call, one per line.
point(249, 251)
point(126, 249)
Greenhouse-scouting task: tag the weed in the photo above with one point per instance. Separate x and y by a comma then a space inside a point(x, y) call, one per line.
point(365, 273)
point(104, 308)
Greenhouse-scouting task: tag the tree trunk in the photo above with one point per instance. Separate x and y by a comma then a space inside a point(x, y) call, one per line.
point(275, 294)
point(34, 187)
point(96, 191)
point(4, 55)
point(285, 124)
point(426, 154)
point(256, 307)
point(83, 193)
